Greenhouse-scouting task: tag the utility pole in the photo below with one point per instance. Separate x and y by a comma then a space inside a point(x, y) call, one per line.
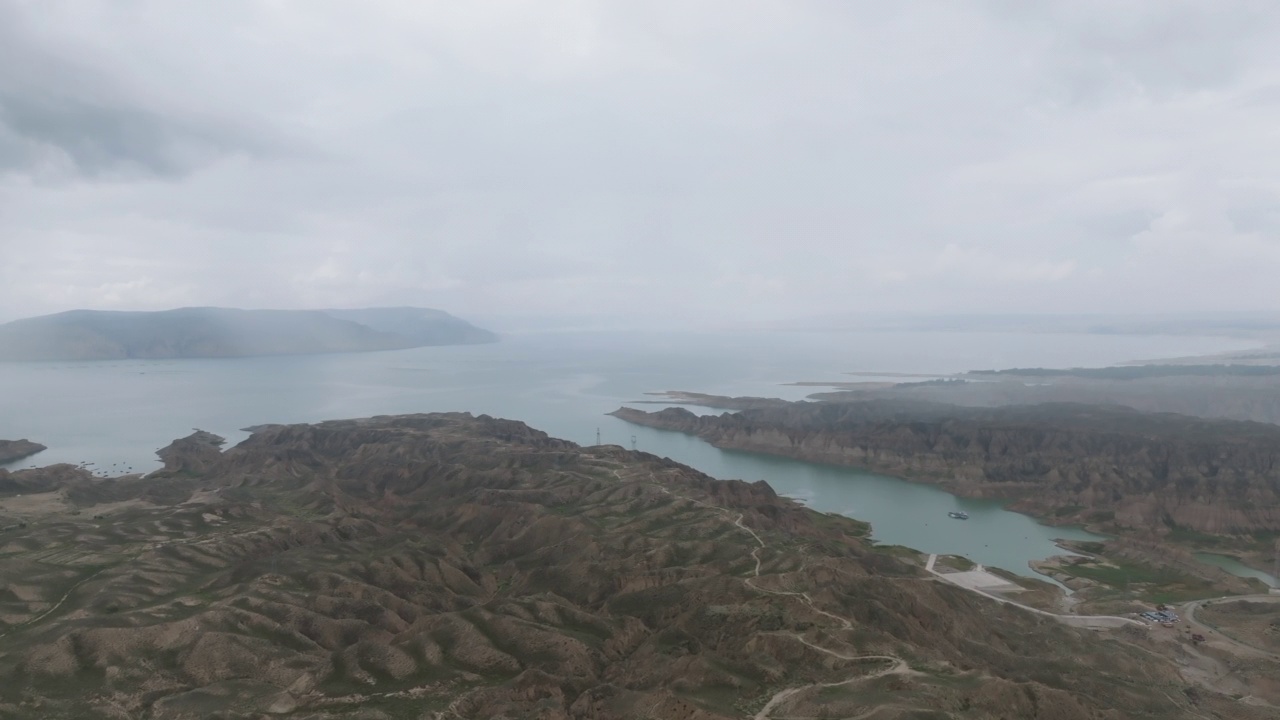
point(597, 436)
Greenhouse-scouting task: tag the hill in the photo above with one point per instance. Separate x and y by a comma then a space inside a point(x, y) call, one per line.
point(224, 332)
point(450, 566)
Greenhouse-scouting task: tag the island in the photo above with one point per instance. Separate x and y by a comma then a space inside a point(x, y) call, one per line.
point(457, 566)
point(209, 332)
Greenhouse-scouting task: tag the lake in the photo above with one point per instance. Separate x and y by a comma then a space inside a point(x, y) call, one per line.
point(115, 414)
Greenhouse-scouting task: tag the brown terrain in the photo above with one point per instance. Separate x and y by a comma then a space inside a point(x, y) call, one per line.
point(12, 450)
point(1108, 467)
point(1256, 621)
point(450, 566)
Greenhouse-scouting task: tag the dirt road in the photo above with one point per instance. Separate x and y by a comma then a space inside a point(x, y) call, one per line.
point(1241, 646)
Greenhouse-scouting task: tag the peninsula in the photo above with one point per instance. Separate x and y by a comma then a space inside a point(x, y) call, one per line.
point(207, 332)
point(11, 450)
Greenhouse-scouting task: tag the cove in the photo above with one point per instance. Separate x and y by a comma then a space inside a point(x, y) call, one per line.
point(900, 512)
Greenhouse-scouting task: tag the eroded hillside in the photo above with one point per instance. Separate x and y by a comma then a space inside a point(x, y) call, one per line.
point(1107, 466)
point(445, 566)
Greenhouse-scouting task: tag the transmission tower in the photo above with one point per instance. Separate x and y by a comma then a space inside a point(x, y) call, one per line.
point(597, 436)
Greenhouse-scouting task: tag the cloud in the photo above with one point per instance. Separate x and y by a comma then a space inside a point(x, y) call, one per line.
point(51, 134)
point(657, 162)
point(61, 117)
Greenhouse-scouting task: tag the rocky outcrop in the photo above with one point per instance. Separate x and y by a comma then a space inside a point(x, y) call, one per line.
point(191, 454)
point(14, 450)
point(1102, 465)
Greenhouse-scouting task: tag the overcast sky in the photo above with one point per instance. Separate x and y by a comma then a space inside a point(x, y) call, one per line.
point(705, 162)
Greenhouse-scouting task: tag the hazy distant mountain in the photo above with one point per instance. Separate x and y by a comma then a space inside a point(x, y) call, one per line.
point(224, 332)
point(422, 326)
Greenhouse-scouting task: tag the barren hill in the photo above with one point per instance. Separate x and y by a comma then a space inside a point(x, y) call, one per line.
point(450, 566)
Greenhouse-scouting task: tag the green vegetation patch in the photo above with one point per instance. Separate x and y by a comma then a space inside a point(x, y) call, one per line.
point(1187, 536)
point(955, 562)
point(840, 523)
point(1122, 575)
point(1152, 583)
point(898, 551)
point(1026, 582)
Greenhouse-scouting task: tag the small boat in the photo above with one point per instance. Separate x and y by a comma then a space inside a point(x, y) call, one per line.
point(958, 515)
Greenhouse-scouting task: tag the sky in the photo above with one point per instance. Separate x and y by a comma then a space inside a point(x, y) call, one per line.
point(692, 164)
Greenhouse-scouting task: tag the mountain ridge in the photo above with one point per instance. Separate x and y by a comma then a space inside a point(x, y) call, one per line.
point(213, 332)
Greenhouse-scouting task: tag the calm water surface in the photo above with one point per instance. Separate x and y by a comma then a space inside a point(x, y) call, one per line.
point(115, 414)
point(1235, 567)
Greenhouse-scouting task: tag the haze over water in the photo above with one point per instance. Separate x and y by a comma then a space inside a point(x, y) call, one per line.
point(115, 414)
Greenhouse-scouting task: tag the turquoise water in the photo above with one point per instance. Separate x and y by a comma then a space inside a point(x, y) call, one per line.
point(116, 414)
point(1235, 567)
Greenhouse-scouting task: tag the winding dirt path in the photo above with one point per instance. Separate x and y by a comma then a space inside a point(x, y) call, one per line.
point(60, 603)
point(897, 665)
